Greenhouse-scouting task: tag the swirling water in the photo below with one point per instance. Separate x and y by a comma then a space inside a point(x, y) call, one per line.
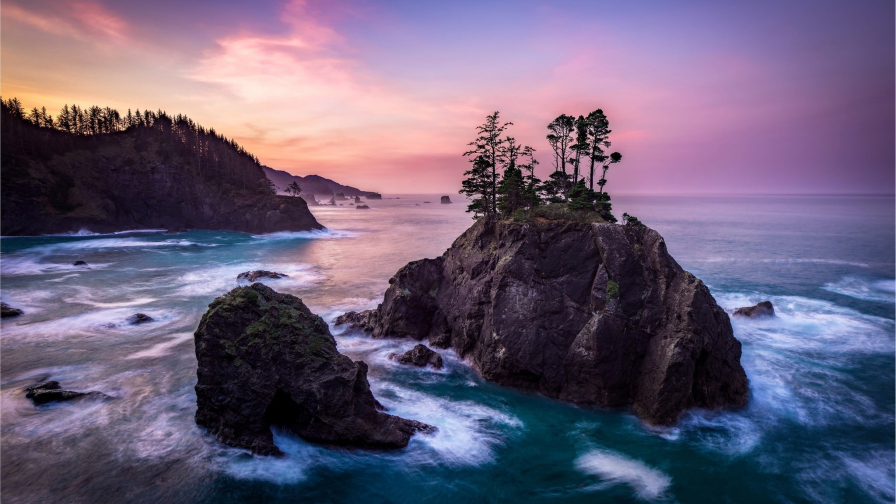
point(819, 426)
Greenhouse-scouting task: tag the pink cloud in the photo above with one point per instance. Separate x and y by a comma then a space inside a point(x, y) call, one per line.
point(88, 21)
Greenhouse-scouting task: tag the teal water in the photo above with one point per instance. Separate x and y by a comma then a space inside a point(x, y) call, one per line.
point(819, 426)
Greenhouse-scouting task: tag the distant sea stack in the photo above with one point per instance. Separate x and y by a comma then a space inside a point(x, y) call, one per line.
point(445, 200)
point(264, 359)
point(594, 314)
point(160, 172)
point(374, 195)
point(313, 184)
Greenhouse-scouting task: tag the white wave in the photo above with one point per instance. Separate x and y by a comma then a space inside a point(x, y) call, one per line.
point(220, 279)
point(118, 304)
point(882, 291)
point(163, 348)
point(317, 234)
point(468, 433)
point(32, 265)
point(647, 482)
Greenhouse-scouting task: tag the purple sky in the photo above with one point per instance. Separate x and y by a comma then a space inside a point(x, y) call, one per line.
point(703, 97)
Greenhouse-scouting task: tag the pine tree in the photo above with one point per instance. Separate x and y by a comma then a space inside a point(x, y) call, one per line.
point(491, 148)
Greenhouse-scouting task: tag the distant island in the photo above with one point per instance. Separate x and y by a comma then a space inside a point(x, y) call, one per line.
point(100, 170)
point(321, 188)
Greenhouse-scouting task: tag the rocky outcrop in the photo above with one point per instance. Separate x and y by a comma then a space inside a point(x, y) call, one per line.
point(252, 276)
point(357, 200)
point(9, 311)
point(340, 196)
point(446, 199)
point(311, 184)
point(50, 391)
point(419, 356)
point(762, 309)
point(594, 314)
point(139, 318)
point(264, 359)
point(362, 207)
point(373, 195)
point(83, 263)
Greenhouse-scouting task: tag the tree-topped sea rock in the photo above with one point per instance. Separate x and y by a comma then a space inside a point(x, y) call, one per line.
point(264, 359)
point(591, 313)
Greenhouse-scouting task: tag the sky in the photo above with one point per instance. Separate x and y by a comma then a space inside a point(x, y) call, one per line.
point(703, 97)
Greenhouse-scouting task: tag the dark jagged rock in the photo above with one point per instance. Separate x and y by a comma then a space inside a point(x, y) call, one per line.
point(252, 276)
point(50, 391)
point(79, 263)
point(339, 196)
point(419, 356)
point(9, 311)
point(264, 359)
point(365, 320)
point(139, 318)
point(362, 207)
point(762, 309)
point(595, 314)
point(446, 199)
point(357, 200)
point(332, 202)
point(57, 182)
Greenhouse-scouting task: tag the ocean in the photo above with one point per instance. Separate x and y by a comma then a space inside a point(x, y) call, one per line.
point(819, 426)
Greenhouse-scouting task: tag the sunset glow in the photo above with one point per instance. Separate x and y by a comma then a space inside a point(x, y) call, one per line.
point(702, 97)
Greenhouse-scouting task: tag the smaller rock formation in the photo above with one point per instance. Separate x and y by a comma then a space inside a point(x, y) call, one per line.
point(357, 200)
point(446, 199)
point(9, 311)
point(264, 359)
point(362, 207)
point(139, 318)
point(426, 202)
point(79, 263)
point(763, 309)
point(374, 195)
point(50, 391)
point(252, 276)
point(419, 356)
point(332, 201)
point(340, 196)
point(309, 198)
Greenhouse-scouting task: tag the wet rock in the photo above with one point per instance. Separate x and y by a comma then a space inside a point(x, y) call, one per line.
point(9, 311)
point(139, 318)
point(364, 320)
point(446, 199)
point(50, 391)
point(252, 276)
point(79, 263)
point(762, 309)
point(362, 207)
point(594, 314)
point(264, 359)
point(419, 356)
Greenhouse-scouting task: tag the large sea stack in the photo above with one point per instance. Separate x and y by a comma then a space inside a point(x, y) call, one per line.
point(595, 314)
point(265, 359)
point(159, 174)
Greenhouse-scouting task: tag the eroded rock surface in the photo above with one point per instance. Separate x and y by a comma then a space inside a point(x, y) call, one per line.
point(419, 356)
point(762, 309)
point(594, 314)
point(264, 359)
point(9, 311)
point(50, 391)
point(252, 276)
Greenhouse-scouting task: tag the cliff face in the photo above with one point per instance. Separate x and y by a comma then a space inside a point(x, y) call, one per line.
point(264, 359)
point(155, 176)
point(594, 314)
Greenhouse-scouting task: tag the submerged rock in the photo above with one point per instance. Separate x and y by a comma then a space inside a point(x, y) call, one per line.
point(50, 391)
point(252, 276)
point(362, 207)
point(446, 199)
point(79, 263)
point(139, 318)
point(419, 356)
point(9, 311)
point(595, 314)
point(762, 309)
point(264, 359)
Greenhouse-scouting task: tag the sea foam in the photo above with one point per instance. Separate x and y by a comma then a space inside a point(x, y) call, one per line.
point(647, 482)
